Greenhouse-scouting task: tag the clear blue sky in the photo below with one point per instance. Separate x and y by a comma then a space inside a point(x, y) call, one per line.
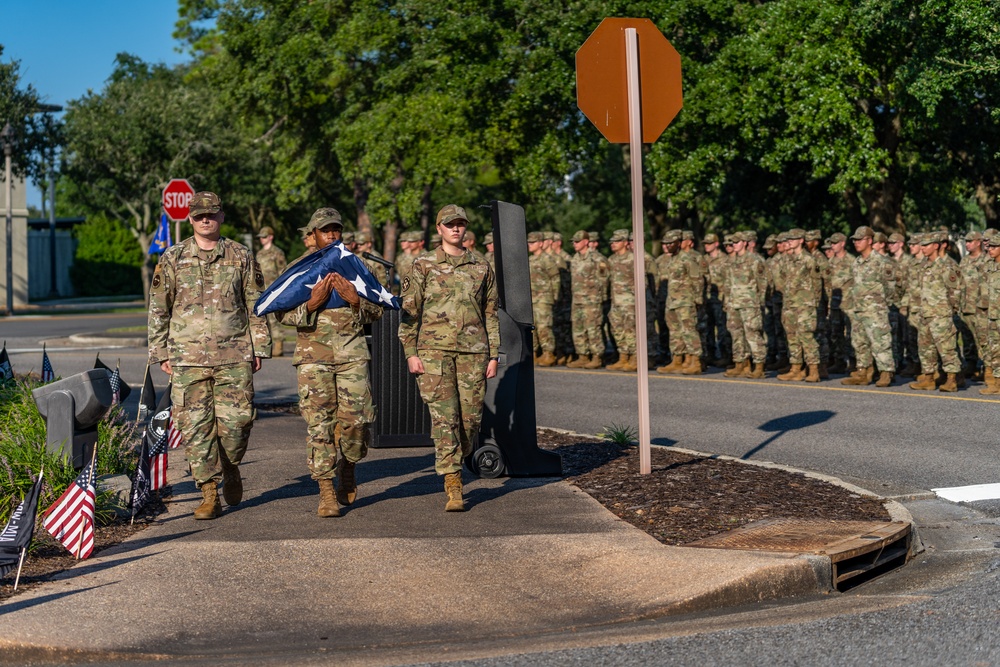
point(67, 47)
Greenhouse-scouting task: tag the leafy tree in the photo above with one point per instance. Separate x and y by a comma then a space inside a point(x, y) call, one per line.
point(108, 259)
point(35, 134)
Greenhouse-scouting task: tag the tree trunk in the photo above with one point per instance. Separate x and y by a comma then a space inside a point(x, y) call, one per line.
point(361, 205)
point(426, 211)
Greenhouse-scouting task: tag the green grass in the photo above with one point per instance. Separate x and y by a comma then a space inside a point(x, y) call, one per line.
point(23, 452)
point(620, 434)
point(136, 329)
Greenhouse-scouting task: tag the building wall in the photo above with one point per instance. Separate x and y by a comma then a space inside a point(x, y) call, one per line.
point(19, 245)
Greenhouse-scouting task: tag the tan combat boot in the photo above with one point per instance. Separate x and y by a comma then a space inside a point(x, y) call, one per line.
point(547, 359)
point(862, 378)
point(232, 483)
point(347, 485)
point(884, 379)
point(992, 386)
point(813, 375)
point(758, 371)
point(692, 365)
point(988, 376)
point(617, 366)
point(327, 499)
point(950, 383)
point(595, 361)
point(795, 372)
point(631, 364)
point(739, 370)
point(453, 487)
point(579, 362)
point(675, 365)
point(210, 507)
point(924, 382)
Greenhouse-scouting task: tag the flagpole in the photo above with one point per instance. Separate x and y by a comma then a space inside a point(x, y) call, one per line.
point(20, 562)
point(90, 481)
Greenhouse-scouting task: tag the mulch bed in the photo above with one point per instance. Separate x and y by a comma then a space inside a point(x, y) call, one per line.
point(687, 498)
point(684, 499)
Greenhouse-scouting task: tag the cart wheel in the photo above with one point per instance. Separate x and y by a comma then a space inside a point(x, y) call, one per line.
point(489, 461)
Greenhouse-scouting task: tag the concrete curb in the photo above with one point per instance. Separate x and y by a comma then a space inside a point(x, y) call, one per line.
point(103, 339)
point(896, 510)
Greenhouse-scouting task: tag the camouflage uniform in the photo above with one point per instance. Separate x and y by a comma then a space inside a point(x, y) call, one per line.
point(991, 284)
point(718, 339)
point(801, 284)
point(685, 294)
point(940, 292)
point(777, 341)
point(900, 332)
point(201, 320)
point(562, 317)
point(841, 308)
point(544, 276)
point(972, 324)
point(622, 281)
point(590, 273)
point(450, 322)
point(823, 307)
point(662, 264)
point(913, 276)
point(272, 263)
point(872, 282)
point(488, 255)
point(745, 291)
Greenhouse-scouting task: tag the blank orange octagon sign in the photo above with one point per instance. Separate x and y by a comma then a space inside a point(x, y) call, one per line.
point(602, 86)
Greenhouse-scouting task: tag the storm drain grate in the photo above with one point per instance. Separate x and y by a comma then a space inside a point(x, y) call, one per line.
point(858, 550)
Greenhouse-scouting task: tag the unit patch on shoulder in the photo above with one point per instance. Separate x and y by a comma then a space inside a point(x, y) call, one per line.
point(406, 284)
point(258, 279)
point(156, 279)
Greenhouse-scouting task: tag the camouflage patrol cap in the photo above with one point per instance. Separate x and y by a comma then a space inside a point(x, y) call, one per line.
point(672, 236)
point(488, 239)
point(863, 232)
point(204, 202)
point(547, 235)
point(770, 241)
point(470, 235)
point(826, 245)
point(619, 235)
point(435, 240)
point(451, 212)
point(535, 237)
point(837, 237)
point(729, 239)
point(593, 236)
point(896, 237)
point(687, 235)
point(347, 237)
point(304, 231)
point(991, 237)
point(411, 236)
point(879, 237)
point(710, 238)
point(556, 236)
point(750, 235)
point(914, 238)
point(581, 236)
point(324, 217)
point(944, 237)
point(781, 237)
point(974, 236)
point(927, 238)
point(813, 235)
point(362, 237)
point(265, 231)
point(795, 233)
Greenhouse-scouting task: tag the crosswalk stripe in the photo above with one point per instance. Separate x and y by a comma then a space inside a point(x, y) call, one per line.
point(964, 494)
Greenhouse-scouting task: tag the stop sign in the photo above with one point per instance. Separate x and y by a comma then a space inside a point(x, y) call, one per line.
point(176, 197)
point(602, 86)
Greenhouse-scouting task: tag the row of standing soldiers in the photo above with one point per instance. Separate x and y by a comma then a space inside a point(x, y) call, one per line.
point(806, 308)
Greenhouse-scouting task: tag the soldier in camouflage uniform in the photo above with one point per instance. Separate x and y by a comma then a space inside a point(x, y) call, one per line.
point(811, 245)
point(410, 243)
point(488, 255)
point(362, 245)
point(718, 340)
point(841, 306)
point(271, 260)
point(777, 342)
point(745, 291)
point(544, 277)
point(972, 324)
point(660, 295)
point(451, 338)
point(562, 317)
point(991, 285)
point(941, 289)
point(802, 284)
point(898, 307)
point(331, 361)
point(590, 278)
point(622, 314)
point(203, 333)
point(873, 277)
point(685, 295)
point(649, 266)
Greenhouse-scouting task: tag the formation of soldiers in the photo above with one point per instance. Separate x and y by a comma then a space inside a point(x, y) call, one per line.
point(800, 306)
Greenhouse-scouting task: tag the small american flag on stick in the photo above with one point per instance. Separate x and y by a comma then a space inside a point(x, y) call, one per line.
point(71, 518)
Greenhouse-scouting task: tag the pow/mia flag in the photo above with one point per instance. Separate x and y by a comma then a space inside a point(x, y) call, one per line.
point(6, 372)
point(16, 535)
point(294, 287)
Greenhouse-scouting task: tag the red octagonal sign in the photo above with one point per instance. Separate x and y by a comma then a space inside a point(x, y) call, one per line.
point(602, 85)
point(176, 197)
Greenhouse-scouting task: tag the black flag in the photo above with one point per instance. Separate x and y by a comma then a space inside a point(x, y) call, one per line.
point(16, 535)
point(123, 389)
point(6, 372)
point(147, 397)
point(140, 482)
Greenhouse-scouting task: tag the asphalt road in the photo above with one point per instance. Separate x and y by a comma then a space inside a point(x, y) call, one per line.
point(942, 609)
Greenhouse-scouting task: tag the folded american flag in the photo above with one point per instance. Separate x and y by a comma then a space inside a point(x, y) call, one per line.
point(294, 287)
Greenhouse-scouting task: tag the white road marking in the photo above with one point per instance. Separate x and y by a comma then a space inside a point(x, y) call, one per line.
point(964, 494)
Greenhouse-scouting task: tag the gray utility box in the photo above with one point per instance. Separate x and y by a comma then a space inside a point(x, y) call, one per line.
point(72, 408)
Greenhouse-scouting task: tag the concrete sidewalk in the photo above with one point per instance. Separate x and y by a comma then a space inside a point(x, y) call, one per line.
point(270, 580)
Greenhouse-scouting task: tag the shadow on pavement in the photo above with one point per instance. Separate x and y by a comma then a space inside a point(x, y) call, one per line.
point(783, 425)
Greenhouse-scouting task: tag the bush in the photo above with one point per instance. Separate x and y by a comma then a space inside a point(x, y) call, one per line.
point(23, 452)
point(108, 259)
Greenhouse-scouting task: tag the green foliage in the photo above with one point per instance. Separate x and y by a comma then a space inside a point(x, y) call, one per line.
point(23, 453)
point(108, 259)
point(620, 434)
